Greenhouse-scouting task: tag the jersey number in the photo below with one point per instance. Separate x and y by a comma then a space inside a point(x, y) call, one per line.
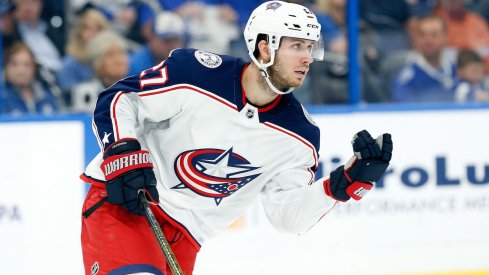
point(158, 80)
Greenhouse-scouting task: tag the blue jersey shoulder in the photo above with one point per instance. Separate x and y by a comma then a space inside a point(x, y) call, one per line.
point(209, 71)
point(296, 119)
point(219, 74)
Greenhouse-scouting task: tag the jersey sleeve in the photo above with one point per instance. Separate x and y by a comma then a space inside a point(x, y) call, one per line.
point(146, 97)
point(292, 200)
point(291, 204)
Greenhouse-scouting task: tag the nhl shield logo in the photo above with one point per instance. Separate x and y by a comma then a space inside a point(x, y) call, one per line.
point(250, 113)
point(208, 59)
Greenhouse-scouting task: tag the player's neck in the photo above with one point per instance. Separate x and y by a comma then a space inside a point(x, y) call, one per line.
point(256, 89)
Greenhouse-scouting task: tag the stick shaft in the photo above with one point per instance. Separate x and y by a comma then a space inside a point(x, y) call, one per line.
point(160, 237)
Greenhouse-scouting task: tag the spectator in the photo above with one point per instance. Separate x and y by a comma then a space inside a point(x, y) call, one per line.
point(196, 9)
point(36, 33)
point(203, 32)
point(429, 74)
point(128, 17)
point(24, 92)
point(470, 74)
point(7, 21)
point(75, 68)
point(241, 10)
point(107, 54)
point(466, 29)
point(390, 18)
point(329, 80)
point(229, 10)
point(54, 13)
point(203, 18)
point(331, 16)
point(481, 7)
point(168, 33)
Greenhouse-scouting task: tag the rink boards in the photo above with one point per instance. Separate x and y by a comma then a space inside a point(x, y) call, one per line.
point(429, 214)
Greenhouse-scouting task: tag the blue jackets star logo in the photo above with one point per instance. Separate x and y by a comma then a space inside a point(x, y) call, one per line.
point(213, 173)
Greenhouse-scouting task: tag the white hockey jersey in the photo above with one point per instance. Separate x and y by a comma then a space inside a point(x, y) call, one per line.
point(213, 152)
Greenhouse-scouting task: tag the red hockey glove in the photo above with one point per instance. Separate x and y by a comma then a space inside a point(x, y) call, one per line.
point(354, 179)
point(127, 169)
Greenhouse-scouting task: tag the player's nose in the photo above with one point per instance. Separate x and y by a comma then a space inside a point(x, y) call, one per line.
point(307, 59)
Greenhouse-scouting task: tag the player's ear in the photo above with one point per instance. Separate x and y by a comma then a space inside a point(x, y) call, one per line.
point(264, 51)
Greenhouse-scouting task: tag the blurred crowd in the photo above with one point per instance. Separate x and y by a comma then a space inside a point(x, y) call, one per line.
point(58, 55)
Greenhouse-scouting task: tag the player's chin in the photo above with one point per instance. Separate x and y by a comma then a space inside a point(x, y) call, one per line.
point(297, 82)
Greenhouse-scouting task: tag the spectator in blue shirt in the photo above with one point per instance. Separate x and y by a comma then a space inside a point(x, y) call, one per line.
point(430, 72)
point(75, 66)
point(470, 75)
point(129, 18)
point(231, 10)
point(331, 16)
point(242, 8)
point(168, 34)
point(24, 92)
point(37, 34)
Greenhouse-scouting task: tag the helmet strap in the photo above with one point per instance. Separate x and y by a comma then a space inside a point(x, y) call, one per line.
point(263, 71)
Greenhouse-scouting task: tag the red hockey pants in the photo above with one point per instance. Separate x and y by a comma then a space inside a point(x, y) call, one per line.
point(117, 242)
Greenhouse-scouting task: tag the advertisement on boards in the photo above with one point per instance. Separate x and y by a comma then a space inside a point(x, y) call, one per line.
point(41, 197)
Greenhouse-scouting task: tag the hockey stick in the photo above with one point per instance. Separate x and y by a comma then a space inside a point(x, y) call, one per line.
point(158, 233)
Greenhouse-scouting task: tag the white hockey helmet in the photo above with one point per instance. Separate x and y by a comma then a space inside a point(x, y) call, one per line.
point(278, 19)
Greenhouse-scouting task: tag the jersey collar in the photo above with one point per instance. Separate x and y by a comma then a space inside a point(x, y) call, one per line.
point(266, 111)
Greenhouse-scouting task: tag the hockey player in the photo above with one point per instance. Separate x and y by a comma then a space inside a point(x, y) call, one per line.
point(205, 135)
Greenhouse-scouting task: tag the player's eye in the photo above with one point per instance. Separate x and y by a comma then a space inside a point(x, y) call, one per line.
point(297, 46)
point(309, 48)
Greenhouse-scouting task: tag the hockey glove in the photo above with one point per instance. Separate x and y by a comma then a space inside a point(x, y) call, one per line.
point(127, 169)
point(370, 161)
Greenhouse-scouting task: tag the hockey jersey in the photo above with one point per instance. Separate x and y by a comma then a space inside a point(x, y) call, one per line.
point(213, 152)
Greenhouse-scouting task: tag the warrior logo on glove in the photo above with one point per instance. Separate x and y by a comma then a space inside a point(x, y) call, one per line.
point(369, 163)
point(128, 169)
point(117, 165)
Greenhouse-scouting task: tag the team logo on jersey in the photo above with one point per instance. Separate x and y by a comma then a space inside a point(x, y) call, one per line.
point(273, 6)
point(213, 173)
point(208, 59)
